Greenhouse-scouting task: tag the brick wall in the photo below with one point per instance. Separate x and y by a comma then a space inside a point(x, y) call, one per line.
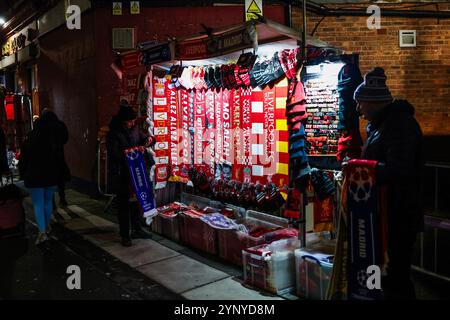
point(421, 74)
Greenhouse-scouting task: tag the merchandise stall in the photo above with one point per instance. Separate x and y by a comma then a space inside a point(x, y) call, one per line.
point(249, 135)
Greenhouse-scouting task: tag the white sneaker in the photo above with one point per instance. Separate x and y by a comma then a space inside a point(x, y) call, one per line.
point(42, 236)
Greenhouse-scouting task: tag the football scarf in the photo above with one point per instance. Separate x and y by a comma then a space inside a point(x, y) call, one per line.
point(257, 136)
point(161, 130)
point(140, 181)
point(185, 143)
point(174, 116)
point(236, 116)
point(228, 147)
point(199, 126)
point(281, 177)
point(210, 133)
point(363, 227)
point(268, 159)
point(246, 101)
point(219, 133)
point(191, 129)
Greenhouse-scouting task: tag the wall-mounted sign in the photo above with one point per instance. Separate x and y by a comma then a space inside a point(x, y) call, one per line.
point(117, 8)
point(216, 45)
point(135, 7)
point(19, 41)
point(253, 8)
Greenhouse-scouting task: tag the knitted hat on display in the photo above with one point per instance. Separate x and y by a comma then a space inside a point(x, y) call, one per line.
point(374, 88)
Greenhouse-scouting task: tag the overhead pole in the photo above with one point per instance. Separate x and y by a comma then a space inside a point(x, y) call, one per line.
point(302, 224)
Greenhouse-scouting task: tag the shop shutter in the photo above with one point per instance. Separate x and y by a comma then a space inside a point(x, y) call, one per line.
point(123, 38)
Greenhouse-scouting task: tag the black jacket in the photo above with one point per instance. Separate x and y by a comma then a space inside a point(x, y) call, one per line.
point(395, 140)
point(118, 140)
point(41, 162)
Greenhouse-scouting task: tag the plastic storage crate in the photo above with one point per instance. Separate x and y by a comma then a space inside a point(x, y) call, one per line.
point(232, 242)
point(271, 267)
point(314, 267)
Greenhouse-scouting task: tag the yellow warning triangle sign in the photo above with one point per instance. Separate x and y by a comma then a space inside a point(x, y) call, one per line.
point(253, 8)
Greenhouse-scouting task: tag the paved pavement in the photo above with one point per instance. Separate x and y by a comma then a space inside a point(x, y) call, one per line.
point(155, 268)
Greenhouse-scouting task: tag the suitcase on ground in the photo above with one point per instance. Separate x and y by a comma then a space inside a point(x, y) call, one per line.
point(12, 213)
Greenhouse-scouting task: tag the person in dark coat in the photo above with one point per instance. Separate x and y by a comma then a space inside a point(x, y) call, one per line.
point(63, 139)
point(41, 166)
point(394, 139)
point(123, 134)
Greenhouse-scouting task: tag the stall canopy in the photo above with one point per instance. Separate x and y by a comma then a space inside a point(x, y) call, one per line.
point(220, 45)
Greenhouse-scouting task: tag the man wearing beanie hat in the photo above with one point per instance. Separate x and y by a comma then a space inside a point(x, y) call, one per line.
point(394, 139)
point(123, 134)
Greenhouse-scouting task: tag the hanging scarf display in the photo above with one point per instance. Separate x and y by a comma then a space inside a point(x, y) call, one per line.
point(237, 137)
point(246, 101)
point(140, 181)
point(161, 130)
point(269, 138)
point(199, 128)
point(174, 117)
point(281, 177)
point(219, 133)
point(363, 226)
point(191, 128)
point(210, 133)
point(227, 100)
point(257, 135)
point(185, 136)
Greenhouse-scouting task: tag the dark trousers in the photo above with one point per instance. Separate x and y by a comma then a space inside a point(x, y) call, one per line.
point(128, 214)
point(62, 191)
point(397, 283)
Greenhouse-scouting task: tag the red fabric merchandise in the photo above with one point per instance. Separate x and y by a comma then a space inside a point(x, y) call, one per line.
point(257, 135)
point(349, 145)
point(210, 132)
point(161, 130)
point(199, 125)
point(174, 116)
point(246, 101)
point(219, 130)
point(281, 177)
point(281, 234)
point(323, 210)
point(228, 146)
point(268, 159)
point(185, 137)
point(236, 116)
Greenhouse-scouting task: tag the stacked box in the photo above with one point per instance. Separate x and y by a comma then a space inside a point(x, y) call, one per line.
point(314, 267)
point(197, 234)
point(271, 267)
point(167, 226)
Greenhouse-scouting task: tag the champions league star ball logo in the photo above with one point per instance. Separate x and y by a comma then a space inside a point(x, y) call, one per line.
point(143, 196)
point(362, 277)
point(360, 184)
point(133, 155)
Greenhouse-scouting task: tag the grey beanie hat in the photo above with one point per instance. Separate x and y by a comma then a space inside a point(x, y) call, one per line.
point(374, 88)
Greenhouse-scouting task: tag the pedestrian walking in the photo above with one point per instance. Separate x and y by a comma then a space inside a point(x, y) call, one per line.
point(41, 166)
